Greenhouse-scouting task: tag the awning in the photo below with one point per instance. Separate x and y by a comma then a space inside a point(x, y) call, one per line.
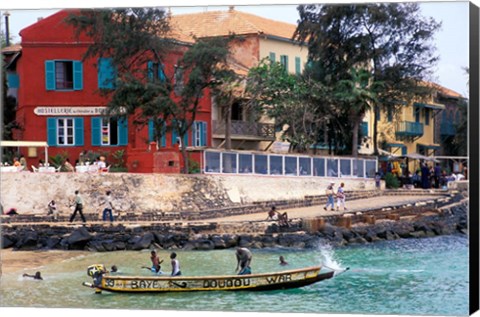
point(26, 144)
point(434, 106)
point(396, 145)
point(429, 146)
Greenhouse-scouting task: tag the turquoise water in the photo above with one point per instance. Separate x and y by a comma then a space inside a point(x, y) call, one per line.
point(413, 277)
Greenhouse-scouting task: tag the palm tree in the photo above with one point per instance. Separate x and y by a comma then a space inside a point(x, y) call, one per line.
point(356, 95)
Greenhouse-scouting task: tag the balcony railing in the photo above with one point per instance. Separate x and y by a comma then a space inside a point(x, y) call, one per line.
point(242, 128)
point(409, 129)
point(447, 129)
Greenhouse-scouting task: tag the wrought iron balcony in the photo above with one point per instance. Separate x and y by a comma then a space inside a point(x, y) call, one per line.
point(261, 131)
point(447, 129)
point(409, 129)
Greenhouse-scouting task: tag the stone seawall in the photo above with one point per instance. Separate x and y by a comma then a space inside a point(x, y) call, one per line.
point(418, 223)
point(30, 192)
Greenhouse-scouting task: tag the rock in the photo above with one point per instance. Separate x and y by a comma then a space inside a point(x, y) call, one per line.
point(218, 242)
point(53, 242)
point(78, 239)
point(8, 241)
point(204, 245)
point(28, 240)
point(144, 242)
point(417, 234)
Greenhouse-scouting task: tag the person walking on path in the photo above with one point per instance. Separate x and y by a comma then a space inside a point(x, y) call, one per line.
point(52, 210)
point(108, 210)
point(330, 200)
point(78, 207)
point(341, 197)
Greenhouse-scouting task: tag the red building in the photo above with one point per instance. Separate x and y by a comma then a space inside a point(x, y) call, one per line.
point(58, 102)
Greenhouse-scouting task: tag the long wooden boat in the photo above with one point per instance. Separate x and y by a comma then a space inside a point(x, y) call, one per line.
point(251, 282)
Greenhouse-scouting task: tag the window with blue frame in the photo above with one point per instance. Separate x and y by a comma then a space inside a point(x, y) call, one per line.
point(178, 80)
point(389, 114)
point(155, 136)
point(106, 73)
point(199, 133)
point(272, 57)
point(416, 113)
point(298, 66)
point(109, 131)
point(284, 61)
point(63, 75)
point(65, 131)
point(156, 71)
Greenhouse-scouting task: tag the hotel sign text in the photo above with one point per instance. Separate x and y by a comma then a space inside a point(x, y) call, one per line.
point(69, 111)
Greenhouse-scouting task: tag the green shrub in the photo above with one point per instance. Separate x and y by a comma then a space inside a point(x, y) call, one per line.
point(391, 181)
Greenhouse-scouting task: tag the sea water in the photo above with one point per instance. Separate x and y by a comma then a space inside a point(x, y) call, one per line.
point(413, 277)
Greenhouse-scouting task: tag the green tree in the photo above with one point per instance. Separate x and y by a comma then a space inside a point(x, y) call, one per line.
point(392, 39)
point(290, 100)
point(136, 37)
point(356, 95)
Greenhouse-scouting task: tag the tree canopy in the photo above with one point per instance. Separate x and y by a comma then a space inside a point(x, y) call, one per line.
point(393, 41)
point(139, 44)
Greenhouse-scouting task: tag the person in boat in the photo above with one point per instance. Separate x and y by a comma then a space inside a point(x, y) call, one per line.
point(37, 276)
point(175, 265)
point(282, 261)
point(244, 258)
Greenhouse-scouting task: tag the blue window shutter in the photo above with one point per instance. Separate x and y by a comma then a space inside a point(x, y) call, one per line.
point(13, 81)
point(52, 131)
point(161, 72)
point(122, 131)
point(272, 57)
point(298, 66)
point(194, 133)
point(78, 123)
point(150, 70)
point(185, 140)
point(77, 75)
point(151, 131)
point(404, 150)
point(203, 135)
point(96, 131)
point(106, 73)
point(50, 75)
point(164, 136)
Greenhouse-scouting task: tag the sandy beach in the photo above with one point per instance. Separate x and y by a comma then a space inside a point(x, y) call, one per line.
point(12, 261)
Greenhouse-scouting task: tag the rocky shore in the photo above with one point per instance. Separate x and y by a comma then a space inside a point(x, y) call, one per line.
point(302, 233)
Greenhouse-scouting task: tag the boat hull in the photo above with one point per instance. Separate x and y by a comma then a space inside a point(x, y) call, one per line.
point(251, 282)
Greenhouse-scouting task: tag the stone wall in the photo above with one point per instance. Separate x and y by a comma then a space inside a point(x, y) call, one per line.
point(30, 192)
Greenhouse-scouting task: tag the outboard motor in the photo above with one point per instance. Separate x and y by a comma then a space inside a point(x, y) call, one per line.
point(96, 272)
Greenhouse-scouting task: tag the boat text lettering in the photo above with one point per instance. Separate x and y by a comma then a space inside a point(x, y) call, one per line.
point(222, 283)
point(144, 284)
point(279, 278)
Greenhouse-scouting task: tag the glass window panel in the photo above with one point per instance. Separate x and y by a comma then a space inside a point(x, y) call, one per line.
point(229, 163)
point(332, 167)
point(245, 163)
point(276, 165)
point(291, 165)
point(305, 166)
point(212, 162)
point(346, 167)
point(319, 167)
point(360, 168)
point(261, 164)
point(370, 168)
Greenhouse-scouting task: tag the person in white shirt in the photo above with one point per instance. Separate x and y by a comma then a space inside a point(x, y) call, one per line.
point(341, 197)
point(175, 265)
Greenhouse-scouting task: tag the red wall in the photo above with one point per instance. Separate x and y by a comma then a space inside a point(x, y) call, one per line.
point(53, 39)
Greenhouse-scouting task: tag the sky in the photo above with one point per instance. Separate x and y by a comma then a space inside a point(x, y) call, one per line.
point(451, 40)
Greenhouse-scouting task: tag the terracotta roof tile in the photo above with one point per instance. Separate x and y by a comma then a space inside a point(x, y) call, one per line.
point(12, 48)
point(222, 23)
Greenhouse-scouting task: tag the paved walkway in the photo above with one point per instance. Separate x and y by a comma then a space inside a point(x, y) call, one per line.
point(358, 205)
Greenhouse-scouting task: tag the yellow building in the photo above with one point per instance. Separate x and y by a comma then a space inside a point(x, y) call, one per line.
point(408, 130)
